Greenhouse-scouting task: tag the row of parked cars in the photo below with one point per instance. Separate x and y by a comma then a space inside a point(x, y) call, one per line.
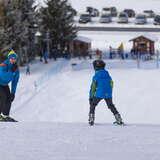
point(109, 12)
point(113, 12)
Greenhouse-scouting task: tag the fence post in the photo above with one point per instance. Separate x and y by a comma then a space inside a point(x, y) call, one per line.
point(157, 58)
point(138, 60)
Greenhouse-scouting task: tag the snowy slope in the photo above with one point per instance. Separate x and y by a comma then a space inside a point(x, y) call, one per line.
point(59, 141)
point(61, 94)
point(53, 116)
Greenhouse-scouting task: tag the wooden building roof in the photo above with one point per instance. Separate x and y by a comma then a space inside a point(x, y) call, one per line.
point(151, 38)
point(83, 39)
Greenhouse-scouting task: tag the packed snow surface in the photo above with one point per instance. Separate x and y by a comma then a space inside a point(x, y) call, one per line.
point(52, 107)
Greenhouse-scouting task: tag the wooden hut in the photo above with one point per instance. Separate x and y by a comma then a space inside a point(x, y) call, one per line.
point(80, 46)
point(144, 44)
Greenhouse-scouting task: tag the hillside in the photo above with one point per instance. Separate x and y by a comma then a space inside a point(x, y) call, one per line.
point(61, 92)
point(78, 141)
point(53, 114)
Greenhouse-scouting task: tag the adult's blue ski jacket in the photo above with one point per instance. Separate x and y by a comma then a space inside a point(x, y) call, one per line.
point(7, 75)
point(102, 85)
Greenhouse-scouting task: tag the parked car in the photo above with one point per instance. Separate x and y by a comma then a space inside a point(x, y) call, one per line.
point(157, 20)
point(92, 11)
point(105, 18)
point(149, 13)
point(130, 12)
point(84, 18)
point(110, 10)
point(122, 17)
point(140, 19)
point(89, 9)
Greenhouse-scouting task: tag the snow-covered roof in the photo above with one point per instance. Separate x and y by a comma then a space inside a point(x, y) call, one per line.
point(83, 39)
point(148, 36)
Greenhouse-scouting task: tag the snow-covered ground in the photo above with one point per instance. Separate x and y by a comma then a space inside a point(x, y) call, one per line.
point(58, 92)
point(78, 141)
point(52, 107)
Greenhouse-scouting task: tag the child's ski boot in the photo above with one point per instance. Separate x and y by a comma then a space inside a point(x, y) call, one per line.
point(91, 119)
point(118, 119)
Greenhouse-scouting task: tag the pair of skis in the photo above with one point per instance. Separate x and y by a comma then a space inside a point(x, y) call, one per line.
point(91, 123)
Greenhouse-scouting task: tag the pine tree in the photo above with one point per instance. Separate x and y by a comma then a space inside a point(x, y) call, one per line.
point(57, 19)
point(17, 27)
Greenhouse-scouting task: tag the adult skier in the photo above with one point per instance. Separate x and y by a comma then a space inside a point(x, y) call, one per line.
point(101, 88)
point(9, 72)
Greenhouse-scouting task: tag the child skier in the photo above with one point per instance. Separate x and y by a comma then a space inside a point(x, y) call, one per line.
point(8, 73)
point(101, 88)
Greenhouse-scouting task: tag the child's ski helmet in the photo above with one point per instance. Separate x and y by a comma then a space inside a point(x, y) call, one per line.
point(98, 64)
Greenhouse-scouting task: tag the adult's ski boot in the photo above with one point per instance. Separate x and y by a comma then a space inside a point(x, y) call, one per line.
point(10, 119)
point(2, 119)
point(118, 119)
point(5, 118)
point(91, 119)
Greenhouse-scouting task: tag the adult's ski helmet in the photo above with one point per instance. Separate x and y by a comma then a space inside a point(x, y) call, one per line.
point(12, 54)
point(98, 64)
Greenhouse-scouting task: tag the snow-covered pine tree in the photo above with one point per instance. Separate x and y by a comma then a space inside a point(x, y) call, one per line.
point(58, 19)
point(18, 27)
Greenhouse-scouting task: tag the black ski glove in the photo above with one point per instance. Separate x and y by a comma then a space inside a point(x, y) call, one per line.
point(14, 67)
point(12, 96)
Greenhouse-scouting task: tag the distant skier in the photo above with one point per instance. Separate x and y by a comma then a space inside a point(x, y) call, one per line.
point(101, 88)
point(45, 56)
point(27, 69)
point(8, 73)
